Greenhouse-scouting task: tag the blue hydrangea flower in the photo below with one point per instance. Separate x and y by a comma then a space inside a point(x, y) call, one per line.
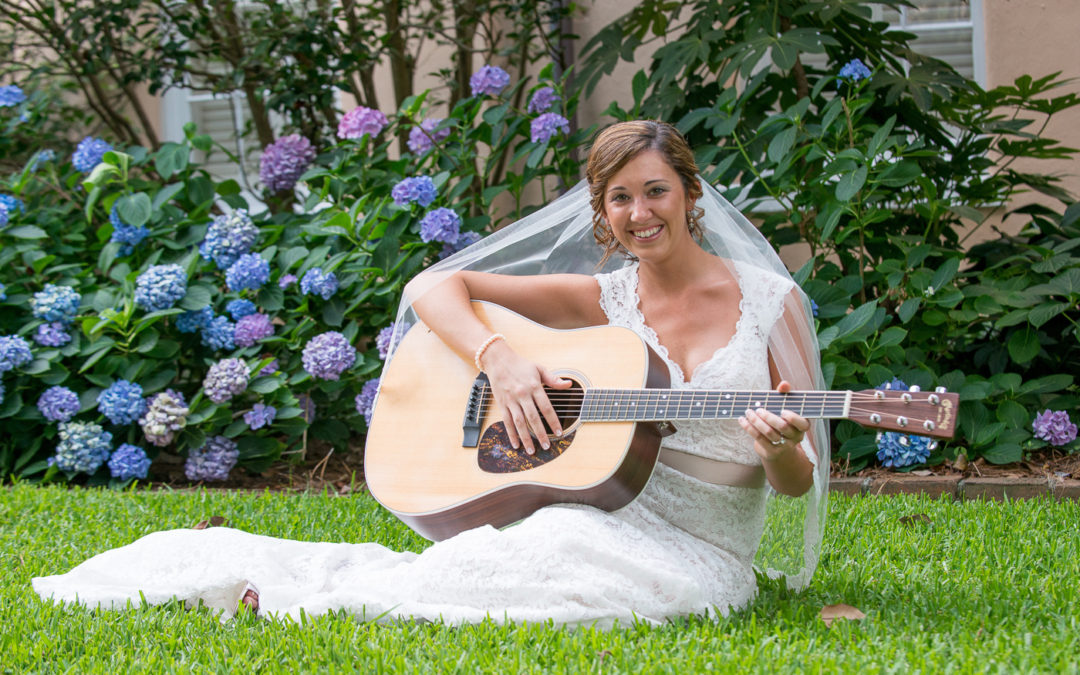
point(895, 384)
point(365, 400)
point(489, 81)
point(58, 404)
point(129, 461)
point(543, 128)
point(83, 447)
point(11, 95)
point(11, 203)
point(360, 121)
point(122, 402)
point(328, 355)
point(165, 415)
point(14, 353)
point(213, 461)
point(464, 239)
point(229, 237)
point(1054, 427)
point(260, 416)
point(387, 337)
point(240, 308)
point(1, 392)
point(88, 154)
point(3, 295)
point(4, 215)
point(813, 307)
point(219, 333)
point(897, 450)
point(41, 157)
point(53, 334)
point(440, 224)
point(317, 283)
point(249, 272)
point(128, 236)
point(423, 138)
point(56, 303)
point(419, 189)
point(286, 280)
point(160, 287)
point(225, 379)
point(542, 100)
point(252, 328)
point(191, 322)
point(854, 70)
point(284, 161)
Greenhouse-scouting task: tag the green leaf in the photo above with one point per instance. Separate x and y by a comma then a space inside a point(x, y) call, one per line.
point(1023, 345)
point(1067, 283)
point(781, 144)
point(134, 209)
point(856, 319)
point(291, 256)
point(333, 312)
point(27, 232)
point(196, 298)
point(850, 184)
point(1004, 453)
point(1013, 415)
point(908, 309)
point(859, 446)
point(271, 298)
point(170, 159)
point(1043, 313)
point(1047, 384)
point(266, 385)
point(945, 273)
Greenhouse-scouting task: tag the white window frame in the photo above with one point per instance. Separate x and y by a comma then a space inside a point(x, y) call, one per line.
point(974, 22)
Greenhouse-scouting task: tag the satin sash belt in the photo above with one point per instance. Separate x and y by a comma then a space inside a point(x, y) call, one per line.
point(714, 471)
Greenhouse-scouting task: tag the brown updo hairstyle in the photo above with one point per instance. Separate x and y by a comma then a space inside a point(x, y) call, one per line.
point(617, 145)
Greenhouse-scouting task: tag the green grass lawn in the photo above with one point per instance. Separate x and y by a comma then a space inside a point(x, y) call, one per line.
point(982, 587)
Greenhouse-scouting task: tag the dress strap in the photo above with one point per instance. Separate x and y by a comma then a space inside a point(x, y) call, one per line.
point(714, 471)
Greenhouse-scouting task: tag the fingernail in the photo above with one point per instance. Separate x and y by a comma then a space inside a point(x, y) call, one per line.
point(760, 411)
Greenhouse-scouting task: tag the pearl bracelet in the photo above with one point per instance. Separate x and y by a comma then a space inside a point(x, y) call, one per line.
point(483, 348)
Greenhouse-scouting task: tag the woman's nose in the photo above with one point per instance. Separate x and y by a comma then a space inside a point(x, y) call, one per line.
point(640, 211)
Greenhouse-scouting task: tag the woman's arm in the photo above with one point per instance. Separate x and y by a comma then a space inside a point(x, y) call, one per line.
point(556, 300)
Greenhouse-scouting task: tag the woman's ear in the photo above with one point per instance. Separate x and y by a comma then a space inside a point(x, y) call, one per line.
point(693, 193)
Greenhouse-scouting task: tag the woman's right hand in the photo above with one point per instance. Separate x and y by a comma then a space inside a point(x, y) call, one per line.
point(518, 386)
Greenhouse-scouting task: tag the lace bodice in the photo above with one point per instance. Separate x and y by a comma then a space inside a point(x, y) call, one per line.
point(682, 547)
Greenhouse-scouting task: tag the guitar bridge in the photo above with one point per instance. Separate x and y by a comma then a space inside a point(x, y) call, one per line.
point(474, 411)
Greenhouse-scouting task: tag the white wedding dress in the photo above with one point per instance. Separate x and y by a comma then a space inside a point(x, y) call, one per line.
point(682, 547)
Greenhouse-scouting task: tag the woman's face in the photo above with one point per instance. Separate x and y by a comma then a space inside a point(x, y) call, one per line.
point(645, 206)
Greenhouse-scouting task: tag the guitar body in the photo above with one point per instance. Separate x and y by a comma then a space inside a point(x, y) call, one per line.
point(416, 460)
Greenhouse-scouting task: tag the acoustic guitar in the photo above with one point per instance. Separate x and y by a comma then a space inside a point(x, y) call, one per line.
point(439, 458)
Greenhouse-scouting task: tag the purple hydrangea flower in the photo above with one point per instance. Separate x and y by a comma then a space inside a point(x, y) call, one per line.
point(387, 337)
point(328, 355)
point(83, 446)
point(165, 415)
point(896, 450)
point(229, 237)
point(1054, 427)
point(423, 138)
point(240, 308)
point(14, 353)
point(192, 322)
point(286, 280)
point(225, 379)
point(128, 236)
point(419, 189)
point(249, 271)
point(260, 416)
point(53, 334)
point(270, 368)
point(56, 303)
point(440, 224)
point(213, 461)
point(542, 100)
point(464, 239)
point(11, 95)
point(122, 402)
point(307, 407)
point(284, 161)
point(543, 128)
point(360, 121)
point(317, 283)
point(129, 461)
point(160, 287)
point(88, 154)
point(58, 404)
point(252, 328)
point(365, 400)
point(854, 70)
point(489, 81)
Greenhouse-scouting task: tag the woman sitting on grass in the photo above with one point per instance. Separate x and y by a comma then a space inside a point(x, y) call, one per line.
point(702, 287)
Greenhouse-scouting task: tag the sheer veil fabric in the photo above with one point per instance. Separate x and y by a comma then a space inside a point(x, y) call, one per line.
point(558, 239)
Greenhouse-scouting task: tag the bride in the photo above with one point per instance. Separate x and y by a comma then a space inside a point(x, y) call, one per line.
point(701, 286)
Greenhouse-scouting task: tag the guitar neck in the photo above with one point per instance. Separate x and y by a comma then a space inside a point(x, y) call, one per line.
point(622, 405)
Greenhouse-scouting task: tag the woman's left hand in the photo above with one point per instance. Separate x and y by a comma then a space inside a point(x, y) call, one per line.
point(775, 435)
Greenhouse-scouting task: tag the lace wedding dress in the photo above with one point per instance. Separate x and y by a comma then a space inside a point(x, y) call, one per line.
point(682, 547)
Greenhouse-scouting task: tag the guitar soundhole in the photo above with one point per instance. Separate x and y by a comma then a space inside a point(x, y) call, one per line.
point(496, 455)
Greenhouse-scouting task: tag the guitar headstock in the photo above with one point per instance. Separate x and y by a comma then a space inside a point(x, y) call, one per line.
point(918, 412)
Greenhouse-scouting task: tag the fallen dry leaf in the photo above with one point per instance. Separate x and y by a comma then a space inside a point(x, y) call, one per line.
point(915, 518)
point(830, 613)
point(922, 472)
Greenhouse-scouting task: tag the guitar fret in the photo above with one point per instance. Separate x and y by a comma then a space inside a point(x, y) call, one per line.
point(670, 404)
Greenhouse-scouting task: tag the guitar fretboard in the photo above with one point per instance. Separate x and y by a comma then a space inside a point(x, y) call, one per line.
point(611, 405)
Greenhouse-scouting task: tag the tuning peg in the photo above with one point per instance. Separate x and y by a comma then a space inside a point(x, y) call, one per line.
point(934, 399)
point(928, 425)
point(914, 387)
point(940, 390)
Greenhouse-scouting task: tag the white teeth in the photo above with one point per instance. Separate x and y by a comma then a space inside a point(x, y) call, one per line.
point(645, 234)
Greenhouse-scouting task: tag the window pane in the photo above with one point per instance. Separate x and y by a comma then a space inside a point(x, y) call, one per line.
point(938, 11)
point(951, 46)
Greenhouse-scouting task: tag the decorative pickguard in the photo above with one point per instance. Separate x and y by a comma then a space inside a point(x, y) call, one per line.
point(496, 455)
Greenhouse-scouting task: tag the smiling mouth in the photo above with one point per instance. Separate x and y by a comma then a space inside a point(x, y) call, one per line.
point(646, 234)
